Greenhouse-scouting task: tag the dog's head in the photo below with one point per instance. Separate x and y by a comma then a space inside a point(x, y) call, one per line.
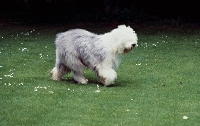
point(126, 38)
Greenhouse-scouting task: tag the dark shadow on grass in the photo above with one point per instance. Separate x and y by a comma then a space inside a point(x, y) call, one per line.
point(90, 82)
point(72, 81)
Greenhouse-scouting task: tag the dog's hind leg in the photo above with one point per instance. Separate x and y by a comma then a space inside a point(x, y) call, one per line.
point(59, 70)
point(78, 73)
point(79, 77)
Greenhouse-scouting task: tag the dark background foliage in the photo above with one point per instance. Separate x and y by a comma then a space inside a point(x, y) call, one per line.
point(64, 11)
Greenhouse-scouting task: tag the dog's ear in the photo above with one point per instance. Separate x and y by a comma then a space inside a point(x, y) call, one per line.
point(121, 26)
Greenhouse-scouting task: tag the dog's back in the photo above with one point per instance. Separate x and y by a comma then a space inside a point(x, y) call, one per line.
point(74, 36)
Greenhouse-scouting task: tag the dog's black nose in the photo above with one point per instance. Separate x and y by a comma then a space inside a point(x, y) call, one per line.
point(133, 45)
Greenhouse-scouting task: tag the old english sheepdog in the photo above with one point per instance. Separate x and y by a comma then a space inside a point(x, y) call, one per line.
point(77, 49)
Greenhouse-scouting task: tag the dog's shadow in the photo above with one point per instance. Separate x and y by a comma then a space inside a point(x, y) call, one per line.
point(90, 82)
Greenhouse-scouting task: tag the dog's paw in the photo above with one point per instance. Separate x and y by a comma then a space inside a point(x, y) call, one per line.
point(85, 81)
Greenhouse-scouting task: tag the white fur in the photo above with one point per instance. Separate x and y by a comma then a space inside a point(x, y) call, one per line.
point(77, 49)
point(107, 76)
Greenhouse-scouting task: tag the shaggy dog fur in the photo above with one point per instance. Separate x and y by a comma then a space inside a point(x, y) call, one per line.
point(78, 48)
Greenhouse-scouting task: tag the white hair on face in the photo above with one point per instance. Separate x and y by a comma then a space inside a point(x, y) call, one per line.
point(78, 48)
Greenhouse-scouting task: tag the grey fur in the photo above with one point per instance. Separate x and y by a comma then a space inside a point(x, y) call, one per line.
point(79, 47)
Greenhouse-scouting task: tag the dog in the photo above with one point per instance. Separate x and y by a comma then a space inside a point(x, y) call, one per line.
point(78, 49)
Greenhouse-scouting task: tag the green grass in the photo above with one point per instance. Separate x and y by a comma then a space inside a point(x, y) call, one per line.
point(158, 83)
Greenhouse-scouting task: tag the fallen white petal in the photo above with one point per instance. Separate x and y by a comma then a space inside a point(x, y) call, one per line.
point(138, 64)
point(51, 92)
point(97, 91)
point(21, 84)
point(185, 117)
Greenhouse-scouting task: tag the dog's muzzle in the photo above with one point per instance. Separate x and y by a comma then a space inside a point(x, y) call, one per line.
point(133, 45)
point(129, 49)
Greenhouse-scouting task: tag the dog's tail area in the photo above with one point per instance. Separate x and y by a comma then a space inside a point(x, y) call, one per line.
point(60, 69)
point(58, 59)
point(60, 62)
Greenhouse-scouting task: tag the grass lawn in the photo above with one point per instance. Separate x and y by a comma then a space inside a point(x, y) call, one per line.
point(158, 83)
